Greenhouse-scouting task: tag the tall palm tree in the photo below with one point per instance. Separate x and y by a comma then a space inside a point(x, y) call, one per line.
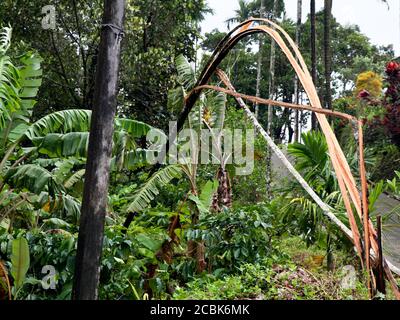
point(313, 55)
point(328, 53)
point(241, 14)
point(271, 80)
point(271, 90)
point(259, 63)
point(296, 80)
point(385, 1)
point(328, 89)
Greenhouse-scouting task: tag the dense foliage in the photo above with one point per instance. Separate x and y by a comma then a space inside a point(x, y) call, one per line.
point(182, 230)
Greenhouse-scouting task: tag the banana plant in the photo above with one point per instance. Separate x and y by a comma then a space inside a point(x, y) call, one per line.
point(42, 162)
point(185, 165)
point(209, 111)
point(54, 162)
point(210, 114)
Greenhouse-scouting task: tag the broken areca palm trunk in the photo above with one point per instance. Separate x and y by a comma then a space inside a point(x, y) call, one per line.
point(325, 208)
point(352, 197)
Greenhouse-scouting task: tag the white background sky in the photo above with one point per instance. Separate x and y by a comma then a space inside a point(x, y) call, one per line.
point(381, 25)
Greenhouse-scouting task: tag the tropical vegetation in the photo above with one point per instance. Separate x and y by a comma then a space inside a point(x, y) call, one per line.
point(186, 230)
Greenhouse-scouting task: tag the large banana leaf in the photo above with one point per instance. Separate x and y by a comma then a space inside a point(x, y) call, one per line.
point(74, 178)
point(135, 128)
point(203, 202)
point(216, 106)
point(9, 82)
point(63, 145)
point(61, 205)
point(130, 160)
point(151, 188)
point(31, 79)
point(5, 39)
point(18, 90)
point(19, 262)
point(66, 133)
point(66, 121)
point(186, 74)
point(33, 178)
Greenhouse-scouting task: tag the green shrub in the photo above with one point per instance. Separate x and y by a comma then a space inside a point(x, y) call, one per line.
point(236, 236)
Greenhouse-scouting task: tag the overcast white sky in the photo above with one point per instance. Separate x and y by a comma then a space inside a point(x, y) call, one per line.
point(381, 25)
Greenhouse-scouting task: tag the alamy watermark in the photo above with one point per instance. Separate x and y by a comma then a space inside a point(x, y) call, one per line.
point(49, 280)
point(349, 279)
point(49, 20)
point(204, 146)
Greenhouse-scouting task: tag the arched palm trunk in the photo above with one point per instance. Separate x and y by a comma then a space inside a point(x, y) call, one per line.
point(347, 182)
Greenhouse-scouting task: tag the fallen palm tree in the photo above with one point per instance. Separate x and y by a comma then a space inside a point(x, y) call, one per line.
point(367, 246)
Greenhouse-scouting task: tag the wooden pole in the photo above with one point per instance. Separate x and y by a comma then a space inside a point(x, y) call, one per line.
point(94, 201)
point(380, 272)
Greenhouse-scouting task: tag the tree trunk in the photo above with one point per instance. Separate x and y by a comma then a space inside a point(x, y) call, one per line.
point(196, 248)
point(271, 82)
point(328, 53)
point(94, 201)
point(296, 80)
point(223, 196)
point(259, 63)
point(271, 90)
point(314, 123)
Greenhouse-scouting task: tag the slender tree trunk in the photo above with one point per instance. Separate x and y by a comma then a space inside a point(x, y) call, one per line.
point(94, 202)
point(328, 53)
point(296, 80)
point(271, 82)
point(196, 249)
point(260, 57)
point(271, 90)
point(314, 123)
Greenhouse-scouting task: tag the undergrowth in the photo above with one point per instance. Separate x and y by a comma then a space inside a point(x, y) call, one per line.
point(296, 273)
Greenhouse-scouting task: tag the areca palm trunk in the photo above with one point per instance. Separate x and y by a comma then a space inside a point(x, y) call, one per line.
point(328, 53)
point(313, 45)
point(296, 80)
point(259, 63)
point(271, 90)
